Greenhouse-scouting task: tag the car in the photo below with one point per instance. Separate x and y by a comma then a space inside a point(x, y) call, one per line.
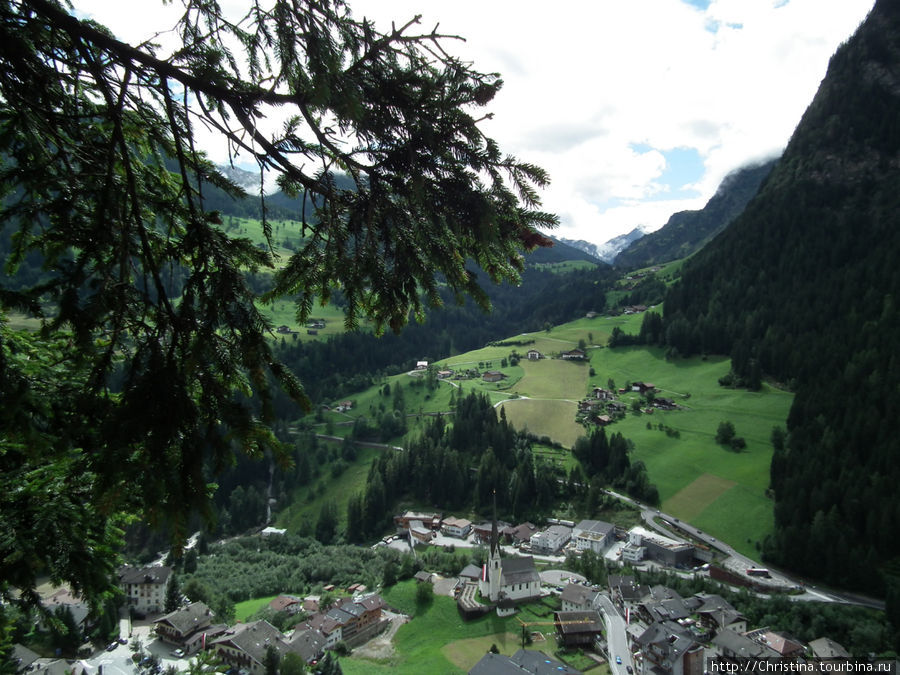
point(177, 653)
point(619, 660)
point(629, 669)
point(123, 641)
point(111, 646)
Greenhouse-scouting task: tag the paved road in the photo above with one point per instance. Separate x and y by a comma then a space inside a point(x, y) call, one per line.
point(616, 636)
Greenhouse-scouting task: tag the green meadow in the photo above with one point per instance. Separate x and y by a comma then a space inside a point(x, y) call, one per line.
point(437, 640)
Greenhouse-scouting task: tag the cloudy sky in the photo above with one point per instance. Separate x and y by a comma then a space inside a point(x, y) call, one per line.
point(637, 108)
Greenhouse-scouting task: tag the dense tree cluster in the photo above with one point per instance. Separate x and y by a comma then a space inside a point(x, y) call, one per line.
point(154, 366)
point(803, 288)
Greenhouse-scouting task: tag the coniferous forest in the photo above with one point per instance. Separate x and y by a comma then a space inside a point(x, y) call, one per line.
point(803, 289)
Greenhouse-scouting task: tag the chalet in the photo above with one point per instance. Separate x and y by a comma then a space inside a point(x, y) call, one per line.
point(533, 355)
point(642, 387)
point(579, 628)
point(573, 354)
point(603, 394)
point(578, 597)
point(309, 644)
point(444, 374)
point(596, 535)
point(730, 644)
point(284, 330)
point(551, 540)
point(421, 365)
point(188, 628)
point(519, 533)
point(423, 577)
point(286, 603)
point(482, 531)
point(603, 420)
point(456, 527)
point(343, 406)
point(420, 532)
point(668, 647)
point(493, 376)
point(781, 644)
point(591, 315)
point(145, 587)
point(624, 591)
point(718, 614)
point(664, 404)
point(430, 520)
point(245, 645)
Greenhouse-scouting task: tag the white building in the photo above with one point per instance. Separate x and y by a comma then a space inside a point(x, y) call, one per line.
point(456, 527)
point(145, 587)
point(595, 535)
point(551, 540)
point(508, 580)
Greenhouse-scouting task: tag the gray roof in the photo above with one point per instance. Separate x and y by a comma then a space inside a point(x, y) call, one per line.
point(596, 526)
point(157, 574)
point(253, 639)
point(309, 644)
point(518, 571)
point(826, 648)
point(575, 623)
point(578, 594)
point(471, 572)
point(740, 645)
point(523, 662)
point(187, 619)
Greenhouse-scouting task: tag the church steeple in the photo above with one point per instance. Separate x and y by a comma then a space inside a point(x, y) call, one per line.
point(495, 571)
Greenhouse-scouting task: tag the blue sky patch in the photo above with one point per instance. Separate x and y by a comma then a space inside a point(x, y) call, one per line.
point(699, 4)
point(684, 166)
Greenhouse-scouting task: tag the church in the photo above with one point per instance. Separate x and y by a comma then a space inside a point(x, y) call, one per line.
point(508, 581)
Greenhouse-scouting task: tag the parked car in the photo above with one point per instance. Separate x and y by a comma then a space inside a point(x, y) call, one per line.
point(619, 660)
point(178, 653)
point(111, 646)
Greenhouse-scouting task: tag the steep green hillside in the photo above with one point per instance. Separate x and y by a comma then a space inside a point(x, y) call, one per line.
point(803, 286)
point(687, 231)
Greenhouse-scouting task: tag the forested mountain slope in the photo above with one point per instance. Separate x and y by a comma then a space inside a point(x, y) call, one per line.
point(804, 286)
point(686, 231)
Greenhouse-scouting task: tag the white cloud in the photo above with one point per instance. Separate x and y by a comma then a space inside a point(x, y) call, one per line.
point(586, 80)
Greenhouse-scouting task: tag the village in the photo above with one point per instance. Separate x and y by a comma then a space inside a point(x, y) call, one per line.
point(629, 625)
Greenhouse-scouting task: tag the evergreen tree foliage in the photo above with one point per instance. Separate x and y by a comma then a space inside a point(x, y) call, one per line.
point(802, 288)
point(154, 365)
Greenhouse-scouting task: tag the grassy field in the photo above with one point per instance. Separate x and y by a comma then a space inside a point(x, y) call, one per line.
point(552, 418)
point(248, 608)
point(437, 640)
point(714, 488)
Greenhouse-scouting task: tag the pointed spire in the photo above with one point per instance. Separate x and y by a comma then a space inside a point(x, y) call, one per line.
point(495, 540)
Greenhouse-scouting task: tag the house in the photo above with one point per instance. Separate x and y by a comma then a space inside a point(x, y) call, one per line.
point(624, 591)
point(716, 614)
point(780, 643)
point(309, 644)
point(643, 387)
point(493, 376)
point(353, 620)
point(245, 645)
point(423, 577)
point(551, 540)
point(286, 603)
point(456, 527)
point(421, 365)
point(420, 532)
point(444, 374)
point(591, 315)
point(664, 403)
point(179, 628)
point(578, 628)
point(577, 598)
point(573, 354)
point(595, 535)
point(145, 587)
point(432, 521)
point(483, 531)
point(523, 662)
point(730, 644)
point(668, 647)
point(272, 531)
point(520, 533)
point(344, 406)
point(64, 600)
point(825, 648)
point(533, 355)
point(603, 394)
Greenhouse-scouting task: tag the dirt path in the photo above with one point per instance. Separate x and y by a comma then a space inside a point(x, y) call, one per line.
point(382, 647)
